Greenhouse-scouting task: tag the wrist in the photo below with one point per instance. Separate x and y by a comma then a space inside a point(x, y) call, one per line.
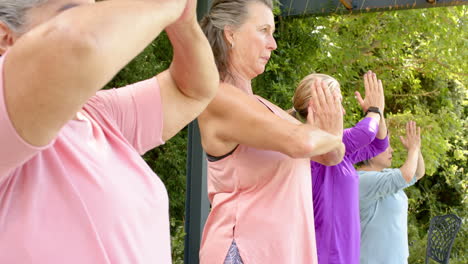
point(374, 109)
point(179, 28)
point(413, 149)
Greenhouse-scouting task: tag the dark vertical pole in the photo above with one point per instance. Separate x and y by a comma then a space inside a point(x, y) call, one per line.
point(197, 205)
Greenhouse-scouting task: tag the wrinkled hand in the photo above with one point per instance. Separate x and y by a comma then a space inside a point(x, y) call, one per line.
point(325, 110)
point(413, 136)
point(374, 93)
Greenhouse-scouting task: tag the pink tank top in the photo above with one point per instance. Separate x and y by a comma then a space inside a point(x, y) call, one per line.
point(262, 200)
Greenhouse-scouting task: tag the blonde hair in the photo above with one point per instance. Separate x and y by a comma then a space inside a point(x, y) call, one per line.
point(302, 95)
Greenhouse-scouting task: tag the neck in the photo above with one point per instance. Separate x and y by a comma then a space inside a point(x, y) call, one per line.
point(240, 82)
point(371, 167)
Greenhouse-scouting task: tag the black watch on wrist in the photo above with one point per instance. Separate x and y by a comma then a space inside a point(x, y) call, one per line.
point(374, 109)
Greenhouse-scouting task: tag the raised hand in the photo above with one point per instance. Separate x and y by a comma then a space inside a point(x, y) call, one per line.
point(374, 95)
point(412, 141)
point(325, 110)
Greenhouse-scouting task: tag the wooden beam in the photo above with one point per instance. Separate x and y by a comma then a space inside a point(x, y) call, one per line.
point(326, 7)
point(347, 3)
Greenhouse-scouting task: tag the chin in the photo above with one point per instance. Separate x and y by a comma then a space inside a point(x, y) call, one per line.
point(262, 70)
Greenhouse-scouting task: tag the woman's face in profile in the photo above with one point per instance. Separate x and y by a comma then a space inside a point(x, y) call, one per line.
point(253, 41)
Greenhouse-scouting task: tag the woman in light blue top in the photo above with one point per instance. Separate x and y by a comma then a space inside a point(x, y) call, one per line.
point(383, 204)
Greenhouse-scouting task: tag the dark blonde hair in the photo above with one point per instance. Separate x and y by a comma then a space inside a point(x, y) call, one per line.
point(225, 13)
point(302, 94)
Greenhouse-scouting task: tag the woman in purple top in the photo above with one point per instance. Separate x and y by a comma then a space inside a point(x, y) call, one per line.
point(336, 188)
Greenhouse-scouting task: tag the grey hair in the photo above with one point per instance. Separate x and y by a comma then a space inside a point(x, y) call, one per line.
point(12, 12)
point(225, 13)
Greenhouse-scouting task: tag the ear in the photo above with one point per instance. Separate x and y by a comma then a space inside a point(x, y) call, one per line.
point(229, 35)
point(7, 38)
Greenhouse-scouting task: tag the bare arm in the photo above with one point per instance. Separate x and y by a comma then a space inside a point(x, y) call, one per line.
point(234, 117)
point(421, 168)
point(412, 143)
point(374, 96)
point(192, 79)
point(51, 71)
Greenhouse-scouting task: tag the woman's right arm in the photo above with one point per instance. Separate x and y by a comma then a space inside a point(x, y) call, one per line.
point(51, 71)
point(234, 117)
point(412, 142)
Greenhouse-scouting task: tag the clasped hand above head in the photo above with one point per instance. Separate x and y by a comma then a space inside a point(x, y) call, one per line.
point(374, 94)
point(325, 113)
point(325, 110)
point(412, 141)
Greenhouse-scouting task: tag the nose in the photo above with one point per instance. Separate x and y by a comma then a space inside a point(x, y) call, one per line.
point(344, 111)
point(271, 43)
point(390, 150)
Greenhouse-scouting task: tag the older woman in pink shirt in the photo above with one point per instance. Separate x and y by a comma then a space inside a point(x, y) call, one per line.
point(73, 186)
point(258, 171)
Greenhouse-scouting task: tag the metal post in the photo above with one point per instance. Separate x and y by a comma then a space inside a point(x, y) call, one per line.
point(197, 205)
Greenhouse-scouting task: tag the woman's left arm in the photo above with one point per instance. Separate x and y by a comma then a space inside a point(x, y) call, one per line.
point(421, 167)
point(192, 80)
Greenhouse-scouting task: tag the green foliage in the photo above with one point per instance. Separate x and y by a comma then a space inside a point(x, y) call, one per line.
point(421, 56)
point(177, 241)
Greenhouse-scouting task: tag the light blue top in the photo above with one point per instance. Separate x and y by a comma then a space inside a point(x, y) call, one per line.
point(383, 208)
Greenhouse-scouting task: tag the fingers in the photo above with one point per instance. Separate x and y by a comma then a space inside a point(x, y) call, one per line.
point(337, 107)
point(412, 128)
point(311, 116)
point(408, 129)
point(321, 96)
point(314, 100)
point(375, 82)
point(382, 96)
point(413, 132)
point(326, 108)
point(359, 98)
point(380, 86)
point(367, 82)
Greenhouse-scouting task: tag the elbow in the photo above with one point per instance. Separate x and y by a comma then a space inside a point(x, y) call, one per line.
point(203, 87)
point(81, 52)
point(420, 175)
point(211, 87)
point(71, 40)
point(335, 157)
point(407, 175)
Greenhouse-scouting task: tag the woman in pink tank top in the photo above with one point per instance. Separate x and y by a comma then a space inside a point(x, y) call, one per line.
point(259, 181)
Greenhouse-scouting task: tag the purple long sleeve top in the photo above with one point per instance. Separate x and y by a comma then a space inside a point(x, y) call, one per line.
point(336, 195)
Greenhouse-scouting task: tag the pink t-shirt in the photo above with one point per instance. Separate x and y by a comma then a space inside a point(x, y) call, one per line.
point(87, 197)
point(262, 199)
